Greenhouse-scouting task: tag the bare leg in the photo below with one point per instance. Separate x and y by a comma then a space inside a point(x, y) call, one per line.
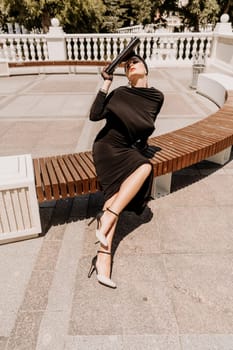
point(129, 188)
point(117, 203)
point(104, 260)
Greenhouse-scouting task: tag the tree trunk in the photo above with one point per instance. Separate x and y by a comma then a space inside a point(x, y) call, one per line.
point(45, 21)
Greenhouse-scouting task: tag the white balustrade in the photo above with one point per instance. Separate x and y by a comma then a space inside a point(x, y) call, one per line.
point(159, 48)
point(23, 47)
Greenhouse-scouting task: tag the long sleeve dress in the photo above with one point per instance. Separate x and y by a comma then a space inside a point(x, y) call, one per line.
point(130, 113)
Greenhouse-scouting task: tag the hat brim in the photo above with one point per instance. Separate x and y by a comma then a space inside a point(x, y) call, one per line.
point(133, 54)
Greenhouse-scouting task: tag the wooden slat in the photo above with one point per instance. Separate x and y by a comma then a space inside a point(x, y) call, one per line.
point(60, 177)
point(76, 177)
point(97, 185)
point(189, 154)
point(91, 171)
point(75, 159)
point(45, 180)
point(69, 180)
point(53, 179)
point(175, 154)
point(85, 172)
point(38, 182)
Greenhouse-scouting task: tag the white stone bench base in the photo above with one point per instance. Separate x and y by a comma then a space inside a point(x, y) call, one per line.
point(161, 185)
point(221, 157)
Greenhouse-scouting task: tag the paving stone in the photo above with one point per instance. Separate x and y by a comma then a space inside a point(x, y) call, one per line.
point(207, 342)
point(141, 303)
point(125, 342)
point(202, 292)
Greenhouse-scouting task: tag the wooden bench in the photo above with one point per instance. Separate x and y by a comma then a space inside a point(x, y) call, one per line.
point(74, 174)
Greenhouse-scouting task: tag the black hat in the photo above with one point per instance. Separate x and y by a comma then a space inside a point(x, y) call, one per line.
point(133, 54)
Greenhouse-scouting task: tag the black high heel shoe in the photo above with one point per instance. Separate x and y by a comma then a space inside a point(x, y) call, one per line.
point(101, 237)
point(106, 281)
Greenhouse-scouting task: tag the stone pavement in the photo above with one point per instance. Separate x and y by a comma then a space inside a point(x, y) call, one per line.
point(173, 265)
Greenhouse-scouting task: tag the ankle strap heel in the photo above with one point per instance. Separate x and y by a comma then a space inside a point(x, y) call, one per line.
point(111, 211)
point(101, 251)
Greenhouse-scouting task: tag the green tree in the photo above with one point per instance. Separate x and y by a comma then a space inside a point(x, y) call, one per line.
point(82, 16)
point(74, 15)
point(168, 6)
point(39, 13)
point(200, 12)
point(141, 11)
point(10, 10)
point(33, 14)
point(114, 16)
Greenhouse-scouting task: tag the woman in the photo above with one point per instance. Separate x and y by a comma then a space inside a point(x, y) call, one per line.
point(124, 173)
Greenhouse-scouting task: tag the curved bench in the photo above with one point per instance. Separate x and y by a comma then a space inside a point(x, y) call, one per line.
point(70, 175)
point(209, 139)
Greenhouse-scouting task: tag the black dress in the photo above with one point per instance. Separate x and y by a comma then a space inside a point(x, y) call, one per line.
point(118, 148)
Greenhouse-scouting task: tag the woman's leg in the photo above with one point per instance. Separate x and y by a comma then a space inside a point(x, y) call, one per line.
point(128, 189)
point(117, 203)
point(104, 260)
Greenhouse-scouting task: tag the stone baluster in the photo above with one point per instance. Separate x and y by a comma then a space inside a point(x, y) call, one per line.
point(38, 49)
point(194, 48)
point(19, 50)
point(75, 48)
point(173, 48)
point(88, 48)
point(148, 47)
point(101, 48)
point(12, 50)
point(5, 49)
point(32, 49)
point(69, 48)
point(45, 49)
point(25, 49)
point(140, 47)
point(82, 49)
point(201, 47)
point(121, 45)
point(187, 49)
point(108, 49)
point(114, 46)
point(95, 49)
point(208, 46)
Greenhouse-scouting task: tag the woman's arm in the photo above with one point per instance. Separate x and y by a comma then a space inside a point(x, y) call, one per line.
point(96, 112)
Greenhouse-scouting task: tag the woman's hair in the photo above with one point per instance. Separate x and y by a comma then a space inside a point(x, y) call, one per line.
point(133, 54)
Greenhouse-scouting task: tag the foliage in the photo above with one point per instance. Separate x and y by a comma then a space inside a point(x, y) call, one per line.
point(79, 16)
point(114, 15)
point(141, 11)
point(75, 15)
point(169, 6)
point(82, 16)
point(200, 12)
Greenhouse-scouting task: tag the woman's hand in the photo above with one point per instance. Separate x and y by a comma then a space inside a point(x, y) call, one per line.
point(105, 75)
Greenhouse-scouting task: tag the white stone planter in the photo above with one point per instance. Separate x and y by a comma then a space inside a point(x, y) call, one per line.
point(19, 211)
